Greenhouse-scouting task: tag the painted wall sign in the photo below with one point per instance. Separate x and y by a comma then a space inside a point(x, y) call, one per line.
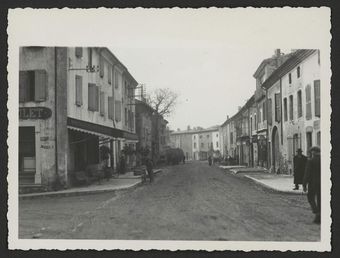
point(34, 113)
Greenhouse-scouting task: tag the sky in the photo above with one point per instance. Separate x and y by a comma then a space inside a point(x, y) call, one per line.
point(207, 56)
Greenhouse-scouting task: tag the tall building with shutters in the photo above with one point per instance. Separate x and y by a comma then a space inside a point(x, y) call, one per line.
point(293, 97)
point(72, 103)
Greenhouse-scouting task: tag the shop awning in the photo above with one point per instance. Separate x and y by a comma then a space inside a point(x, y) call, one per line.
point(99, 130)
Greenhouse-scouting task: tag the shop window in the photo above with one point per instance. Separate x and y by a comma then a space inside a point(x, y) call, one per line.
point(309, 140)
point(79, 52)
point(317, 97)
point(79, 90)
point(299, 102)
point(32, 86)
point(93, 97)
point(308, 102)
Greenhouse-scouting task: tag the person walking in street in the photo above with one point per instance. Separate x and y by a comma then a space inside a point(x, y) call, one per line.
point(122, 164)
point(149, 168)
point(209, 160)
point(299, 168)
point(312, 182)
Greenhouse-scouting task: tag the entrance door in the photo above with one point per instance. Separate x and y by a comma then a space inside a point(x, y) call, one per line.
point(27, 164)
point(275, 148)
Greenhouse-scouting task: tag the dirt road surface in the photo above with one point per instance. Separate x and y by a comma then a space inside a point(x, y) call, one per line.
point(186, 202)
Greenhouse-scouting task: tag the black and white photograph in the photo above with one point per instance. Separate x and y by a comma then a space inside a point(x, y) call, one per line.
point(170, 129)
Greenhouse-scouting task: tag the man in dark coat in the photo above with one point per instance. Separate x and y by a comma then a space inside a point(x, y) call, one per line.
point(299, 168)
point(149, 168)
point(122, 164)
point(312, 181)
point(209, 160)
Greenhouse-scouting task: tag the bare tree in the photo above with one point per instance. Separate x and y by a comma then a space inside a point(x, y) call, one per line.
point(163, 101)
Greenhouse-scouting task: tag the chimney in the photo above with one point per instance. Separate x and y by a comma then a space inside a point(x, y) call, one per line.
point(178, 130)
point(188, 128)
point(227, 117)
point(277, 52)
point(239, 108)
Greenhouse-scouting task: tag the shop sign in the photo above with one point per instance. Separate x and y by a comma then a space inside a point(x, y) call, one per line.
point(34, 113)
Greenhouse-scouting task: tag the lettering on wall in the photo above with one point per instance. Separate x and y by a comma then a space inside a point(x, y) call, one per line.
point(34, 113)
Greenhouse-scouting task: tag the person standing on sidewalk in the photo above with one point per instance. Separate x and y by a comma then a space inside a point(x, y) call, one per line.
point(149, 168)
point(299, 168)
point(312, 182)
point(209, 160)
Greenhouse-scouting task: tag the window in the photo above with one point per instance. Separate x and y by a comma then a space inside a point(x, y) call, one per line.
point(195, 146)
point(309, 140)
point(285, 111)
point(79, 52)
point(202, 145)
point(116, 79)
point(299, 100)
point(255, 122)
point(109, 74)
point(217, 144)
point(90, 57)
point(317, 97)
point(290, 78)
point(308, 103)
point(264, 111)
point(231, 138)
point(132, 121)
point(207, 135)
point(260, 115)
point(93, 95)
point(318, 138)
point(269, 103)
point(277, 107)
point(291, 108)
point(79, 90)
point(102, 103)
point(217, 135)
point(101, 66)
point(200, 136)
point(118, 110)
point(298, 72)
point(126, 117)
point(194, 136)
point(110, 103)
point(32, 86)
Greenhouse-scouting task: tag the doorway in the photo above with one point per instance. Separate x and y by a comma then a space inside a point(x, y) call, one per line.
point(27, 155)
point(275, 149)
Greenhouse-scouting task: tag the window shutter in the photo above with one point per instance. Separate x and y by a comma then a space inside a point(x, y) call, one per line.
point(308, 103)
point(317, 97)
point(118, 110)
point(269, 114)
point(23, 85)
point(96, 101)
point(110, 107)
point(109, 74)
point(277, 107)
point(102, 103)
point(79, 90)
point(40, 85)
point(79, 52)
point(264, 111)
point(92, 97)
point(101, 66)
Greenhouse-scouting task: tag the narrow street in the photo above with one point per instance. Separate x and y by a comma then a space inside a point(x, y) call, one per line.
point(186, 202)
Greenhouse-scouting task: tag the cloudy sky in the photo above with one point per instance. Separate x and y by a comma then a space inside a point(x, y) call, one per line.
point(207, 56)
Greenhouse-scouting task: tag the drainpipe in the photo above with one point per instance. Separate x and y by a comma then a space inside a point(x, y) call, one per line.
point(55, 115)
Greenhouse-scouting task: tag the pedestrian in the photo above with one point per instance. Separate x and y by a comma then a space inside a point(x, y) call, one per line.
point(183, 159)
point(209, 160)
point(122, 164)
point(312, 182)
point(149, 168)
point(300, 161)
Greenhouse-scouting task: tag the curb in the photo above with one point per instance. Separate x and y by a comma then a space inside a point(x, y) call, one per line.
point(68, 194)
point(272, 188)
point(86, 192)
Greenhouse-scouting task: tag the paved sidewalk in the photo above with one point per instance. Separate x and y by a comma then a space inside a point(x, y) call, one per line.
point(278, 183)
point(122, 182)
